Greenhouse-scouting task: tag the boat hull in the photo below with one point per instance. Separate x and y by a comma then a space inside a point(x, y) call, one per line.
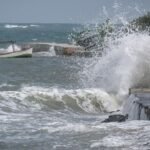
point(18, 54)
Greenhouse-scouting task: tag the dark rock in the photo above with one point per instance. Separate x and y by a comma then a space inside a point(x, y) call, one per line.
point(116, 118)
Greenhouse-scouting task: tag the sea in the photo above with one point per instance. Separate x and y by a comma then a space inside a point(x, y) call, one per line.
point(58, 103)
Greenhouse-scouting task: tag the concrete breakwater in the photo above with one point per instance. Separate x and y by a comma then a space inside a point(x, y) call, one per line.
point(138, 104)
point(59, 49)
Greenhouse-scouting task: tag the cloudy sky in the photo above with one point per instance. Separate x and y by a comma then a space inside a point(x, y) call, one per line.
point(69, 11)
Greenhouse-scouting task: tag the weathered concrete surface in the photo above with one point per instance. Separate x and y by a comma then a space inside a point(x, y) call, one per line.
point(144, 105)
point(60, 49)
point(139, 90)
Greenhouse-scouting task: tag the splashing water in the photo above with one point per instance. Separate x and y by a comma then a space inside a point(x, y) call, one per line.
point(125, 65)
point(125, 59)
point(40, 110)
point(52, 51)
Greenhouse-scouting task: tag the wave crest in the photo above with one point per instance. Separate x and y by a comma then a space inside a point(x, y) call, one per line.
point(80, 100)
point(11, 26)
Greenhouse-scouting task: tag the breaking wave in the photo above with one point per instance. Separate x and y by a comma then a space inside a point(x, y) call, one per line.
point(47, 99)
point(15, 26)
point(11, 26)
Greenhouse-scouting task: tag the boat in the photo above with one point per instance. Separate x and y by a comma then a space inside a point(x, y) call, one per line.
point(24, 52)
point(15, 54)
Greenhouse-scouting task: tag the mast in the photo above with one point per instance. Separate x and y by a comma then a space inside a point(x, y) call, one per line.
point(13, 46)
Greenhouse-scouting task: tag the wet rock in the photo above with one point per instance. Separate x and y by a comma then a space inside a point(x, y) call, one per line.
point(116, 118)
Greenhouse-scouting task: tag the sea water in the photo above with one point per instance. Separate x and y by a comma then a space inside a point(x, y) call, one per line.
point(58, 103)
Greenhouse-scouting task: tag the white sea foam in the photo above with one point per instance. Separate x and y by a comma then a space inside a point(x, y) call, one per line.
point(112, 141)
point(69, 128)
point(119, 136)
point(11, 26)
point(52, 51)
point(34, 25)
point(6, 85)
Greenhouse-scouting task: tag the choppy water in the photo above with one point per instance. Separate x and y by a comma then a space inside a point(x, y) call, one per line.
point(58, 103)
point(37, 32)
point(43, 105)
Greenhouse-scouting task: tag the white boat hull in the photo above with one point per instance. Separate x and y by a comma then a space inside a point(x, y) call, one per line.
point(22, 53)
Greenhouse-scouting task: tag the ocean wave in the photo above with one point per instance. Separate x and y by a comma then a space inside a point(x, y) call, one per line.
point(80, 100)
point(6, 85)
point(11, 26)
point(34, 39)
point(34, 25)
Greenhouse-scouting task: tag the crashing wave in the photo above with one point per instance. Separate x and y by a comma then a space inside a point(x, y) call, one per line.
point(80, 100)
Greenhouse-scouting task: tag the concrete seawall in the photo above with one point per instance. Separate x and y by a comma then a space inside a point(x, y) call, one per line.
point(139, 103)
point(60, 49)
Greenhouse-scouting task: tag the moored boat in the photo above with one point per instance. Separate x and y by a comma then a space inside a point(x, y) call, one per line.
point(15, 54)
point(24, 52)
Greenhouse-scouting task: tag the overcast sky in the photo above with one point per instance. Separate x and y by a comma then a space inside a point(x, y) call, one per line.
point(69, 11)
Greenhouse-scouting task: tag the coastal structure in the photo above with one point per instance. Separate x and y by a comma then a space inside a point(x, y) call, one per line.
point(138, 104)
point(60, 49)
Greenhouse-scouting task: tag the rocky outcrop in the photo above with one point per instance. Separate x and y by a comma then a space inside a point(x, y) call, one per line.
point(116, 118)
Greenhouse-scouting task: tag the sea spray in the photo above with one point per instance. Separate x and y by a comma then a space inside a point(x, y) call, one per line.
point(50, 53)
point(125, 65)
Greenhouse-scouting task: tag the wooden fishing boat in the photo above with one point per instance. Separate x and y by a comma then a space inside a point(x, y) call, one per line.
point(24, 52)
point(15, 54)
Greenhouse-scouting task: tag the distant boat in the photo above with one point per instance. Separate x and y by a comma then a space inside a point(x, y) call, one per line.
point(16, 54)
point(25, 52)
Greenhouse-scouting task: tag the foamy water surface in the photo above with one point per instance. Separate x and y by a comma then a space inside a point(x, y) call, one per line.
point(44, 105)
